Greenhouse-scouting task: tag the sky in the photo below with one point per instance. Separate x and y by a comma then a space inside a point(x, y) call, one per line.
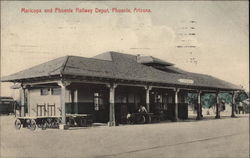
point(218, 44)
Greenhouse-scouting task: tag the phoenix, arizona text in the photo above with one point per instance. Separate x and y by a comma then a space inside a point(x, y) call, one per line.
point(86, 10)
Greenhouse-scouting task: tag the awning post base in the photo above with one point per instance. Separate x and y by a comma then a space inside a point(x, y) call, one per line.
point(217, 117)
point(111, 123)
point(198, 118)
point(175, 119)
point(233, 116)
point(63, 126)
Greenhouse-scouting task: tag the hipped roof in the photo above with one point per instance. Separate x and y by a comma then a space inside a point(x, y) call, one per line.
point(113, 65)
point(152, 60)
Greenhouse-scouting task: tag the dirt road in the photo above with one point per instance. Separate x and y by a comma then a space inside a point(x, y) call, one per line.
point(209, 138)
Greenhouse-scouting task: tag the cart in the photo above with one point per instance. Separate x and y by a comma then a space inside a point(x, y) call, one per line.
point(44, 122)
point(140, 118)
point(37, 122)
point(79, 120)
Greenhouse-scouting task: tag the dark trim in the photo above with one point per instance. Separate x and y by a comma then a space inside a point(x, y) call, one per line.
point(117, 80)
point(37, 79)
point(105, 79)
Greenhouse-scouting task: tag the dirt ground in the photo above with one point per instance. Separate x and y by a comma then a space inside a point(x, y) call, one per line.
point(208, 138)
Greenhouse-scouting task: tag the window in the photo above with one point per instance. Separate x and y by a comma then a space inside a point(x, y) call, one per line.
point(55, 91)
point(45, 91)
point(170, 99)
point(98, 101)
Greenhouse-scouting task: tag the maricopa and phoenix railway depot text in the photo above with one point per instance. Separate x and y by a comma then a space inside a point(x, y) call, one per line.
point(86, 10)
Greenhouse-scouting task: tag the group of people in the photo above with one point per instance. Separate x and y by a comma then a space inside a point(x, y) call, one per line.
point(142, 109)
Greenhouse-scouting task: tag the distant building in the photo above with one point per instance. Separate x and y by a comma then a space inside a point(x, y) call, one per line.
point(6, 105)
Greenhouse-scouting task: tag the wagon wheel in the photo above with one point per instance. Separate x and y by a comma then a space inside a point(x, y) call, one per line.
point(44, 125)
point(70, 122)
point(79, 122)
point(18, 124)
point(142, 119)
point(39, 125)
point(54, 123)
point(129, 121)
point(149, 119)
point(57, 121)
point(48, 123)
point(32, 125)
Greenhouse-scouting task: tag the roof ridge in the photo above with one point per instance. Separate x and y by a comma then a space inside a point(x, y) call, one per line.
point(111, 55)
point(120, 53)
point(64, 64)
point(54, 70)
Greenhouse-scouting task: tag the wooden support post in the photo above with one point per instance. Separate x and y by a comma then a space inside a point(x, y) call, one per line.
point(22, 95)
point(201, 110)
point(28, 101)
point(217, 106)
point(176, 105)
point(233, 104)
point(148, 88)
point(75, 101)
point(63, 91)
point(201, 105)
point(111, 104)
point(63, 104)
point(198, 106)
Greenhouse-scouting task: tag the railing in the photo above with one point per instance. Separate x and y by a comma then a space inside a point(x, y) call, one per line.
point(51, 109)
point(41, 110)
point(45, 109)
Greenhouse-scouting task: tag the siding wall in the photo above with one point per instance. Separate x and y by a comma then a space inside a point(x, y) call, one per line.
point(36, 98)
point(126, 100)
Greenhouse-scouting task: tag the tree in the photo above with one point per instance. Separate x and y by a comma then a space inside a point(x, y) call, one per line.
point(240, 96)
point(227, 97)
point(208, 100)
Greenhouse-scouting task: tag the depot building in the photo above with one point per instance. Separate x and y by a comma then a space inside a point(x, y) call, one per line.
point(111, 85)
